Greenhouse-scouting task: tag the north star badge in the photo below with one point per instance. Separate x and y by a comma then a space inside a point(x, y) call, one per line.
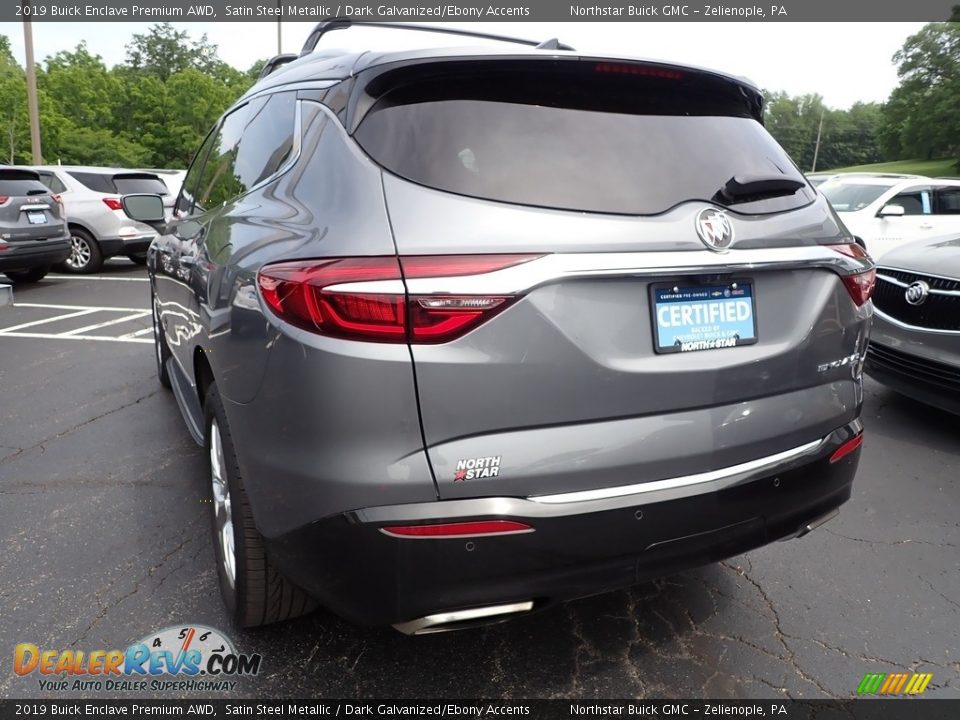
point(477, 468)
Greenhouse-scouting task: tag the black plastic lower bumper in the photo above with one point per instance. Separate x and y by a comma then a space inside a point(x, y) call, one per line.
point(38, 253)
point(370, 577)
point(930, 382)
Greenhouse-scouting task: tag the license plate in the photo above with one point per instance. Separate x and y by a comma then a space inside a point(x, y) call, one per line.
point(710, 316)
point(36, 217)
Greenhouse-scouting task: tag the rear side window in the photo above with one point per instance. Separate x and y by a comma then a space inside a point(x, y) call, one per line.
point(129, 184)
point(596, 137)
point(53, 182)
point(252, 144)
point(98, 182)
point(948, 200)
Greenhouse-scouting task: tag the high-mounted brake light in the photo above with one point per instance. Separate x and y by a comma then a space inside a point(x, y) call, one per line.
point(113, 203)
point(848, 447)
point(642, 70)
point(328, 296)
point(859, 285)
point(460, 529)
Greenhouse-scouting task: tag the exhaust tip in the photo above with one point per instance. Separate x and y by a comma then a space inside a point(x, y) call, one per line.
point(822, 520)
point(460, 619)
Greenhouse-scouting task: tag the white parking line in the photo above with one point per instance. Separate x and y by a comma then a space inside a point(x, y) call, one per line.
point(81, 333)
point(117, 321)
point(51, 336)
point(79, 307)
point(46, 320)
point(98, 277)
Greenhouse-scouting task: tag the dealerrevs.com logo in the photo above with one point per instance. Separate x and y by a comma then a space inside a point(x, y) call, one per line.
point(192, 657)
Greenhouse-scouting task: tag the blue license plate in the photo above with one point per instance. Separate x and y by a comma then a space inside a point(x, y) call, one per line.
point(712, 316)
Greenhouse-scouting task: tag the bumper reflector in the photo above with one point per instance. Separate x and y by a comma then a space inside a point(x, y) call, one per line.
point(459, 530)
point(848, 447)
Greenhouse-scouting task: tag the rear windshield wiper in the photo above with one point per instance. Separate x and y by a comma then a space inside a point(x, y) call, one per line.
point(748, 188)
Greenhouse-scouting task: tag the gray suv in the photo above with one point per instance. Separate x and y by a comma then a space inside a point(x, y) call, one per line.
point(98, 227)
point(467, 333)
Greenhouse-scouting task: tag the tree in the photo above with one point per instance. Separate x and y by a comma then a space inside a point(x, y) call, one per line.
point(164, 51)
point(922, 117)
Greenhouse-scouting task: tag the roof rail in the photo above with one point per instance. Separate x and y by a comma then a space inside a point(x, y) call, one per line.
point(275, 62)
point(322, 28)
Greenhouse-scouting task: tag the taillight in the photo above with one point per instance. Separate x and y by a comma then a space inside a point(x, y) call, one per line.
point(57, 199)
point(329, 296)
point(4, 198)
point(848, 447)
point(859, 285)
point(460, 529)
point(113, 203)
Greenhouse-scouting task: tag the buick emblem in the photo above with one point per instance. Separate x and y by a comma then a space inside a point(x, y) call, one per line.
point(917, 293)
point(714, 229)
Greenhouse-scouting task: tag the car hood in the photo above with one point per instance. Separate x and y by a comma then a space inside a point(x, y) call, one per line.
point(933, 256)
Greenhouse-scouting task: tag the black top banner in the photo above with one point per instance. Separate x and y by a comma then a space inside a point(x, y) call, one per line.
point(473, 10)
point(914, 709)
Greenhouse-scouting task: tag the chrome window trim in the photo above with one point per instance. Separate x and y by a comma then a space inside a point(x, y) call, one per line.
point(752, 466)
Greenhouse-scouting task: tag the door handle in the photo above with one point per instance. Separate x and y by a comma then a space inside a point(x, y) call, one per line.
point(926, 226)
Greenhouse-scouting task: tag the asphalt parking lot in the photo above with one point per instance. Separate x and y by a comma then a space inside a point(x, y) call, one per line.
point(106, 538)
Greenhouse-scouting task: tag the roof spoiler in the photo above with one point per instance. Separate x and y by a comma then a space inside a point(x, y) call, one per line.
point(322, 28)
point(277, 61)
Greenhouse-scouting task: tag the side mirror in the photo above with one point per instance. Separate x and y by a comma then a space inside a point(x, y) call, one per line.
point(892, 210)
point(144, 208)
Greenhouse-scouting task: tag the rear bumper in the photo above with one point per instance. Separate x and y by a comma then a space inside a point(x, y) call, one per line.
point(37, 253)
point(126, 245)
point(577, 547)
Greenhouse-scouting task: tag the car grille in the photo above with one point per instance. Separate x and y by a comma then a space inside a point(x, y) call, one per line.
point(927, 372)
point(938, 312)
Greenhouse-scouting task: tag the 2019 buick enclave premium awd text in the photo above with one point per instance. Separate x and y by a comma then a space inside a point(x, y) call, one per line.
point(470, 332)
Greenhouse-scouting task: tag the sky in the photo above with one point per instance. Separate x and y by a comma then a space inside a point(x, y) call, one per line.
point(843, 62)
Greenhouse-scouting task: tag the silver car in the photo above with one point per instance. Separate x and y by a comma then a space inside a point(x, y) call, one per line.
point(99, 229)
point(915, 343)
point(468, 333)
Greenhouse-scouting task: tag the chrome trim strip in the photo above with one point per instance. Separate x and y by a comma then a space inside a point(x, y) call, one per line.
point(438, 622)
point(898, 323)
point(931, 291)
point(554, 267)
point(28, 208)
point(504, 533)
point(916, 272)
point(684, 481)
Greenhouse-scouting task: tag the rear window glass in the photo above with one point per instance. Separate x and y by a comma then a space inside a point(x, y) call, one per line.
point(593, 137)
point(126, 185)
point(22, 188)
point(847, 197)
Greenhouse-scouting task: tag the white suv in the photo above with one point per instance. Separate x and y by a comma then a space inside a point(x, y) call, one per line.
point(98, 226)
point(887, 211)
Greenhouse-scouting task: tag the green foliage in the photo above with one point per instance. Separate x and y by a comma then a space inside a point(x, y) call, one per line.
point(922, 117)
point(152, 111)
point(930, 168)
point(847, 137)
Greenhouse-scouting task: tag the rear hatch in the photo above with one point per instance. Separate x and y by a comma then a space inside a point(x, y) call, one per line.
point(28, 209)
point(611, 347)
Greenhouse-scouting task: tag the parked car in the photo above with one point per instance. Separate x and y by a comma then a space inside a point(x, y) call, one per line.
point(915, 341)
point(888, 211)
point(33, 232)
point(173, 179)
point(98, 227)
point(817, 179)
point(467, 333)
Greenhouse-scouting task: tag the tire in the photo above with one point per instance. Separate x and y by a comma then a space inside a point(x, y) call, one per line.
point(85, 256)
point(18, 277)
point(254, 592)
point(138, 259)
point(161, 349)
